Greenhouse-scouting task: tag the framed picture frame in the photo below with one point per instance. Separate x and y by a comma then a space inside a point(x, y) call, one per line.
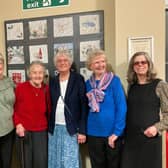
point(63, 26)
point(15, 55)
point(85, 72)
point(86, 47)
point(14, 31)
point(89, 24)
point(17, 75)
point(137, 44)
point(38, 29)
point(64, 46)
point(38, 53)
point(166, 2)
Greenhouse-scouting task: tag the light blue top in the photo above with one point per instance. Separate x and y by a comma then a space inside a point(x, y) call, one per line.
point(112, 115)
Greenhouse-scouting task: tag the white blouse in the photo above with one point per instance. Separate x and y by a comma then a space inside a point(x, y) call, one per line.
point(60, 118)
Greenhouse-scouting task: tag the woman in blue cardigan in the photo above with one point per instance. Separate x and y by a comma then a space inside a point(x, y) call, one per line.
point(107, 114)
point(67, 124)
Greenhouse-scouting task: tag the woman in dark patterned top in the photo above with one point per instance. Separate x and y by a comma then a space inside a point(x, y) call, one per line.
point(147, 115)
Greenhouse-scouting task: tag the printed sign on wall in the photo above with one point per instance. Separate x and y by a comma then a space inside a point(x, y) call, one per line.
point(31, 4)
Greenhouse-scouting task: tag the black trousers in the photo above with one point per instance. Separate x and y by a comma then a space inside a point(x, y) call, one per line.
point(32, 150)
point(101, 154)
point(6, 150)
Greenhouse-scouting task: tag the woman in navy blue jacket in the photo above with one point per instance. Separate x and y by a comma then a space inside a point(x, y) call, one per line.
point(67, 124)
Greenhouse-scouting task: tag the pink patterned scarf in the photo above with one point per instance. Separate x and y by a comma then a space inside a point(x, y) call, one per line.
point(96, 94)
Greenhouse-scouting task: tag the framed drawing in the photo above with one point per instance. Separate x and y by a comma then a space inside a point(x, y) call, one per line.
point(15, 55)
point(136, 44)
point(41, 38)
point(63, 27)
point(89, 24)
point(63, 46)
point(15, 31)
point(85, 72)
point(38, 29)
point(17, 76)
point(38, 52)
point(87, 46)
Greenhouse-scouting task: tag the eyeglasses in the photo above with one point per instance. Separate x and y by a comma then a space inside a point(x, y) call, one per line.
point(140, 62)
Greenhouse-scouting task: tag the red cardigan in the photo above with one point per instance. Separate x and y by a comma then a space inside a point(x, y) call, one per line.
point(31, 106)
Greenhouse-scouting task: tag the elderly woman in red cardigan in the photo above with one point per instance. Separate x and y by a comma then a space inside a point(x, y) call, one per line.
point(30, 116)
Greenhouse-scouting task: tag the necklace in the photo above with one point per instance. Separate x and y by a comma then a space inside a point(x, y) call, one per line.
point(36, 91)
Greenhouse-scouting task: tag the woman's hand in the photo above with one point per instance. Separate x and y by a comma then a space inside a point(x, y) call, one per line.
point(111, 140)
point(20, 130)
point(151, 131)
point(81, 138)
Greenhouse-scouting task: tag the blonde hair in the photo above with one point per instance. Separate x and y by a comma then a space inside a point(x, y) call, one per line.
point(109, 68)
point(131, 75)
point(92, 54)
point(1, 58)
point(35, 63)
point(62, 53)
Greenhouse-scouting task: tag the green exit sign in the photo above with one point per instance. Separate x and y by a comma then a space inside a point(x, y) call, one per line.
point(31, 4)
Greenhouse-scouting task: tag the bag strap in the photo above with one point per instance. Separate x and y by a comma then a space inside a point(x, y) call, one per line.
point(67, 108)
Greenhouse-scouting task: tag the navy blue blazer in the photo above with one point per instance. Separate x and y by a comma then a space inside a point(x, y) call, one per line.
point(76, 100)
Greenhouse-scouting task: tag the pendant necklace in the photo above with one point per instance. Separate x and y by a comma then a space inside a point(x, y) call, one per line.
point(36, 91)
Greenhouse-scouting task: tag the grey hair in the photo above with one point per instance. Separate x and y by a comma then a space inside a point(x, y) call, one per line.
point(92, 54)
point(35, 63)
point(63, 53)
point(131, 75)
point(2, 58)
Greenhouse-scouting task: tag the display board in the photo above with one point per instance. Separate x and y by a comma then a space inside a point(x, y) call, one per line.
point(41, 38)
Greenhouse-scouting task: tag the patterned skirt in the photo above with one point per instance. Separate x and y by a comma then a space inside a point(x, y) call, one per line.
point(63, 149)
